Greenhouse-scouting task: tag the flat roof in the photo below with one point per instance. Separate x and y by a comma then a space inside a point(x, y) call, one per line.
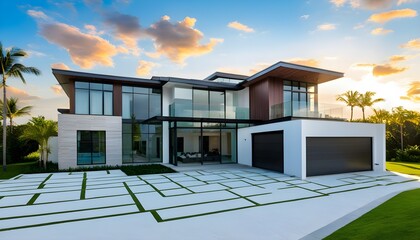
point(216, 75)
point(296, 72)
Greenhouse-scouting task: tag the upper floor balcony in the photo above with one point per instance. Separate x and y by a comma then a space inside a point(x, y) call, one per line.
point(186, 109)
point(306, 110)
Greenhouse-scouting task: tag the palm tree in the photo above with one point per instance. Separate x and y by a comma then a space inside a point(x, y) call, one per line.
point(380, 116)
point(13, 111)
point(366, 100)
point(351, 98)
point(41, 130)
point(400, 116)
point(11, 68)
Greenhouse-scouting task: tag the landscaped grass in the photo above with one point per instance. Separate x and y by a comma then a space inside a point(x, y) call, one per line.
point(32, 167)
point(404, 167)
point(397, 218)
point(16, 169)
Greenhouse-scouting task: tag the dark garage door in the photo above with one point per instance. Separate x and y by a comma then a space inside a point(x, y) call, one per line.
point(329, 155)
point(267, 150)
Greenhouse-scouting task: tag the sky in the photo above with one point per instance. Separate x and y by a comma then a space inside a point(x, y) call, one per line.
point(375, 43)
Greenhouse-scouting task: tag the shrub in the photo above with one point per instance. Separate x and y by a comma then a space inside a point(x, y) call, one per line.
point(409, 154)
point(31, 157)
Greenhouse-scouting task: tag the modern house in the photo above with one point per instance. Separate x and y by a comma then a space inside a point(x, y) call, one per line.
point(270, 120)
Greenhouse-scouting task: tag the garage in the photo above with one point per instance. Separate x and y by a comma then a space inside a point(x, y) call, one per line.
point(267, 150)
point(331, 155)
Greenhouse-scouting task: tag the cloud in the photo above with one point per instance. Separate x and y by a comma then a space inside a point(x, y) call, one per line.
point(400, 2)
point(365, 4)
point(413, 93)
point(240, 27)
point(307, 62)
point(179, 40)
point(304, 17)
point(126, 28)
point(258, 67)
point(326, 27)
point(37, 14)
point(338, 3)
point(85, 50)
point(92, 30)
point(61, 66)
point(19, 93)
point(390, 15)
point(57, 89)
point(397, 58)
point(380, 31)
point(386, 69)
point(145, 68)
point(359, 26)
point(412, 44)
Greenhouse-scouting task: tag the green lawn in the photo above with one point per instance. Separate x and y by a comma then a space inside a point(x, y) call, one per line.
point(16, 169)
point(397, 218)
point(404, 167)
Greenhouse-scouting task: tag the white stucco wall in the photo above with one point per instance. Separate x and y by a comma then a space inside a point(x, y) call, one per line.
point(167, 99)
point(295, 133)
point(53, 146)
point(69, 124)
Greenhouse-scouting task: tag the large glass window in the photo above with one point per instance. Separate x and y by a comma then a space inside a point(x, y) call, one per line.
point(141, 143)
point(299, 98)
point(93, 98)
point(140, 103)
point(91, 147)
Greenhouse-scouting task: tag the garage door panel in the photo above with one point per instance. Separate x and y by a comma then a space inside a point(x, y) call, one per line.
point(329, 155)
point(267, 150)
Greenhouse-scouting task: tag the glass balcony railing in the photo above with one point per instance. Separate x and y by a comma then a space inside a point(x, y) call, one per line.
point(207, 111)
point(305, 109)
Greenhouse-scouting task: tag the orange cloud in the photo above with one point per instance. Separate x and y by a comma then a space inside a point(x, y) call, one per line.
point(126, 28)
point(366, 4)
point(386, 69)
point(258, 67)
point(144, 68)
point(397, 58)
point(57, 89)
point(326, 27)
point(306, 62)
point(380, 31)
point(338, 3)
point(412, 44)
point(388, 16)
point(60, 66)
point(85, 50)
point(241, 27)
point(37, 14)
point(20, 94)
point(413, 93)
point(179, 40)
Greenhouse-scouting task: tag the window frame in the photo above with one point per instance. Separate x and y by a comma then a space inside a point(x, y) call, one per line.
point(87, 86)
point(91, 147)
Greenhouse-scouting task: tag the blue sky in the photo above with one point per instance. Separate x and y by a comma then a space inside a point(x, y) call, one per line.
point(376, 43)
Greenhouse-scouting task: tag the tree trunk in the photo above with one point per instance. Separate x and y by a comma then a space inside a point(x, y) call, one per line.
point(363, 111)
point(4, 123)
point(11, 125)
point(402, 137)
point(351, 114)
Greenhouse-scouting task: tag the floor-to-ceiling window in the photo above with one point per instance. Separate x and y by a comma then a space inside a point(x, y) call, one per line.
point(141, 142)
point(299, 98)
point(93, 98)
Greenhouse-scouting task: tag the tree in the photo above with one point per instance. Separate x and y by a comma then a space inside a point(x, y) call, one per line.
point(11, 68)
point(400, 116)
point(13, 111)
point(351, 98)
point(41, 130)
point(380, 116)
point(366, 100)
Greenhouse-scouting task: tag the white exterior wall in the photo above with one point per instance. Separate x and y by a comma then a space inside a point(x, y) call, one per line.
point(295, 133)
point(69, 124)
point(53, 146)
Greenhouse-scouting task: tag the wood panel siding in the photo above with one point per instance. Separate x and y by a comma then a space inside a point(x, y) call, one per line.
point(275, 93)
point(117, 94)
point(258, 100)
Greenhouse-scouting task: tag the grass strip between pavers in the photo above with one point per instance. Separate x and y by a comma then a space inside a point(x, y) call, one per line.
point(41, 185)
point(33, 199)
point(133, 196)
point(83, 190)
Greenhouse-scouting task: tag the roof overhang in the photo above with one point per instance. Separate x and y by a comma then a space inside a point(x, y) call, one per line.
point(205, 84)
point(226, 75)
point(64, 77)
point(160, 119)
point(294, 72)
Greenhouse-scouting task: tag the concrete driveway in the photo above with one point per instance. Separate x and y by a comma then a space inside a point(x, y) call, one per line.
point(243, 203)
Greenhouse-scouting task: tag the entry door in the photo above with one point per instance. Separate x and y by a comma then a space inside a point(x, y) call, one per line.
point(267, 151)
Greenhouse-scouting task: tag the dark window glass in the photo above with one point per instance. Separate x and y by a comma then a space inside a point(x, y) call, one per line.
point(108, 103)
point(82, 101)
point(180, 144)
point(91, 147)
point(81, 85)
point(96, 86)
point(141, 106)
point(287, 85)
